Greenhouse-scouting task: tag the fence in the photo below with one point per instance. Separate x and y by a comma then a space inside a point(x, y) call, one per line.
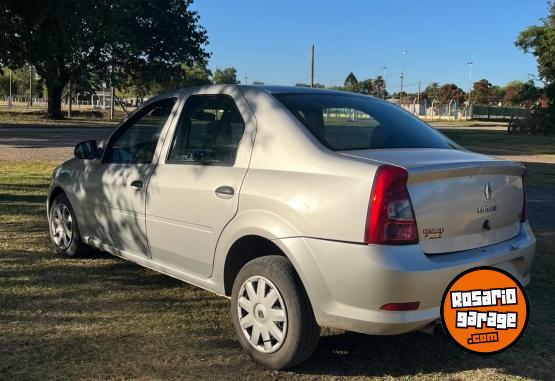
point(434, 111)
point(498, 113)
point(79, 102)
point(455, 111)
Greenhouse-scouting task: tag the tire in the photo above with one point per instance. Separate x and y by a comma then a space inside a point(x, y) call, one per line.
point(299, 330)
point(70, 245)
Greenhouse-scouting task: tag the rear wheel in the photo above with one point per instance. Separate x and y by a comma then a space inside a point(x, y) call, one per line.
point(271, 313)
point(64, 231)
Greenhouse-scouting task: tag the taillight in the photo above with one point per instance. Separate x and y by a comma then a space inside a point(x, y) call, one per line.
point(523, 212)
point(390, 214)
point(409, 306)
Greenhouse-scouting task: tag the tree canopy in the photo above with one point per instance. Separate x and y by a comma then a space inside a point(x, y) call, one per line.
point(227, 76)
point(111, 41)
point(539, 40)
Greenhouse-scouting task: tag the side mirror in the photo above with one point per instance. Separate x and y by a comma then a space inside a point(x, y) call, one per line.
point(86, 150)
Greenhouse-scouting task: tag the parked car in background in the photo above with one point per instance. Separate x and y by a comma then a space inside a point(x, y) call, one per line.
point(306, 207)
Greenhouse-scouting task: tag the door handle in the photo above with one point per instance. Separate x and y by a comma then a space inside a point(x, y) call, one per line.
point(224, 191)
point(136, 185)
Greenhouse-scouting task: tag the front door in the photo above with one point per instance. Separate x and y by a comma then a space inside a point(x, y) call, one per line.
point(194, 190)
point(116, 185)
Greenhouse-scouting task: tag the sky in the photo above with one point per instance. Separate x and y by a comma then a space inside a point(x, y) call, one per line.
point(270, 41)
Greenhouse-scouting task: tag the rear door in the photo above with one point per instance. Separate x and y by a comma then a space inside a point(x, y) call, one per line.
point(194, 190)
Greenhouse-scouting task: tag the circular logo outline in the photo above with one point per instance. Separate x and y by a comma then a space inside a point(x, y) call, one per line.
point(519, 285)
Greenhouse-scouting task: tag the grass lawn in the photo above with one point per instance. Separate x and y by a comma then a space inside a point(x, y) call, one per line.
point(37, 117)
point(104, 318)
point(537, 150)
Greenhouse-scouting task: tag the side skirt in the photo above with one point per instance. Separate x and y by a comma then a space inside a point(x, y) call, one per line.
point(206, 284)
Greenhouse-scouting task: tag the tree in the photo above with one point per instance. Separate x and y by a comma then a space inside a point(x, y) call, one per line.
point(379, 87)
point(196, 75)
point(126, 40)
point(227, 75)
point(449, 92)
point(512, 93)
point(20, 83)
point(539, 40)
point(430, 92)
point(351, 83)
point(482, 92)
point(497, 94)
point(258, 83)
point(366, 87)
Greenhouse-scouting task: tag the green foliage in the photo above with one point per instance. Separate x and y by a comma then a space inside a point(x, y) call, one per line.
point(374, 87)
point(113, 41)
point(539, 40)
point(351, 83)
point(521, 93)
point(430, 93)
point(20, 83)
point(449, 92)
point(481, 92)
point(227, 75)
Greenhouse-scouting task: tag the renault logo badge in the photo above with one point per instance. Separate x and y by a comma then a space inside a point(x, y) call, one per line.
point(487, 190)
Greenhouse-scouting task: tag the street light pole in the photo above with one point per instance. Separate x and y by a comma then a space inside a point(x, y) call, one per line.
point(402, 78)
point(312, 66)
point(10, 98)
point(30, 85)
point(469, 63)
point(383, 90)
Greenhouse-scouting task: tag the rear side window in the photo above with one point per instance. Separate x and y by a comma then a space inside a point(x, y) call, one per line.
point(353, 122)
point(208, 132)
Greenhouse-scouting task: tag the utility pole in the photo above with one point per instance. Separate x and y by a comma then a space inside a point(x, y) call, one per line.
point(113, 93)
point(469, 63)
point(312, 67)
point(112, 103)
point(383, 90)
point(103, 95)
point(30, 85)
point(402, 78)
point(69, 99)
point(246, 80)
point(418, 95)
point(10, 102)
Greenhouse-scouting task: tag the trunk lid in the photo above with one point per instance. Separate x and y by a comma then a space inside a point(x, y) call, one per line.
point(461, 200)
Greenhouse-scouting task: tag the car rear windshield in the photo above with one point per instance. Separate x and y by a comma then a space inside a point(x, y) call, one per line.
point(345, 122)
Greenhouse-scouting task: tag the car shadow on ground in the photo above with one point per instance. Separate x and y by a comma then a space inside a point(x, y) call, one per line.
point(408, 355)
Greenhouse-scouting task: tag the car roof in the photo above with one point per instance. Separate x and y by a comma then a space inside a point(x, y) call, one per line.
point(276, 89)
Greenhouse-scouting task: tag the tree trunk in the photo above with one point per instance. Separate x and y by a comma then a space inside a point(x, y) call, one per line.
point(54, 110)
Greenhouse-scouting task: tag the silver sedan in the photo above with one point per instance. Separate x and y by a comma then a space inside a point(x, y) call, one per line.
point(306, 207)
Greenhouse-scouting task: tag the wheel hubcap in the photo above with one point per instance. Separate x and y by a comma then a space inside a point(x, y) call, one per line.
point(62, 226)
point(262, 314)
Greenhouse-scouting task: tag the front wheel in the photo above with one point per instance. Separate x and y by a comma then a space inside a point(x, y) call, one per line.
point(64, 232)
point(271, 313)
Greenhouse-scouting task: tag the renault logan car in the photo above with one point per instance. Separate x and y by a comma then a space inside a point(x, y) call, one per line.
point(306, 207)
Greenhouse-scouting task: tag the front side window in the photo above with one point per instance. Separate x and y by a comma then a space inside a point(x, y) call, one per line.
point(208, 132)
point(344, 122)
point(136, 141)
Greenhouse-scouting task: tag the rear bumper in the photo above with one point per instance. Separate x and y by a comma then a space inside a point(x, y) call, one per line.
point(348, 283)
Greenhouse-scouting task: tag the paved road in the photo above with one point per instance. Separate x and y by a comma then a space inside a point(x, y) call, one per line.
point(34, 137)
point(56, 144)
point(45, 143)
